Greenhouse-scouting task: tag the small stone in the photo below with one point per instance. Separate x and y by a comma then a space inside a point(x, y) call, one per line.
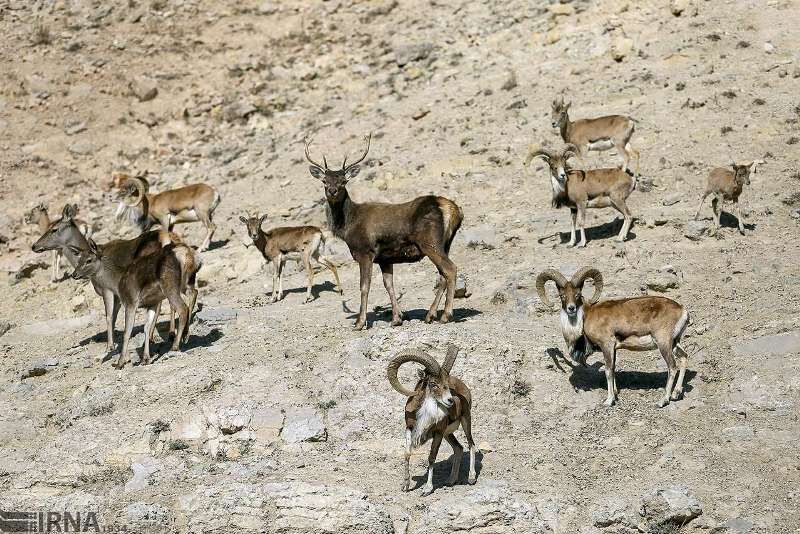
point(621, 47)
point(561, 9)
point(662, 282)
point(510, 81)
point(143, 88)
point(683, 7)
point(769, 47)
point(5, 326)
point(552, 36)
point(695, 230)
point(674, 198)
point(82, 148)
point(74, 126)
point(421, 112)
point(216, 316)
point(405, 54)
point(303, 425)
point(674, 504)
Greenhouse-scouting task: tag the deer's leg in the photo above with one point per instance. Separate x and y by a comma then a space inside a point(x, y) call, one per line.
point(738, 211)
point(174, 296)
point(112, 309)
point(620, 205)
point(306, 257)
point(609, 355)
point(387, 269)
point(665, 346)
point(458, 452)
point(329, 264)
point(447, 269)
point(276, 264)
point(573, 213)
point(192, 303)
point(441, 285)
point(130, 317)
point(716, 205)
point(365, 268)
point(280, 277)
point(56, 271)
point(151, 334)
point(700, 206)
point(683, 361)
point(407, 475)
point(149, 325)
point(166, 223)
point(435, 442)
point(581, 223)
point(466, 424)
point(205, 218)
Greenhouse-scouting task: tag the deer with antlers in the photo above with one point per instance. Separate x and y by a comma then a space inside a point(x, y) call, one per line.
point(388, 234)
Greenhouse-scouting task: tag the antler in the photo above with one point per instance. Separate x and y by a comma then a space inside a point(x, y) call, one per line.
point(324, 166)
point(589, 272)
point(544, 277)
point(418, 356)
point(346, 167)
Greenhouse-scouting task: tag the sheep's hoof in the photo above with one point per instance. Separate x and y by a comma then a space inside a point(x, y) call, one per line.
point(582, 244)
point(404, 486)
point(472, 480)
point(427, 490)
point(676, 395)
point(609, 401)
point(663, 402)
point(446, 318)
point(359, 325)
point(397, 321)
point(429, 318)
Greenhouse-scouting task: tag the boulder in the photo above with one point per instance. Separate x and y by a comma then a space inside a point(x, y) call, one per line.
point(303, 424)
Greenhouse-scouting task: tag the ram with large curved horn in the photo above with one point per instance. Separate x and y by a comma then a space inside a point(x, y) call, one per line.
point(726, 184)
point(637, 324)
point(191, 203)
point(579, 190)
point(435, 408)
point(388, 234)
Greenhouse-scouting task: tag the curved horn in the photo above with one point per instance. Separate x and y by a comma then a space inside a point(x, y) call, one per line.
point(368, 139)
point(536, 151)
point(311, 161)
point(450, 358)
point(570, 149)
point(141, 190)
point(417, 356)
point(589, 272)
point(544, 277)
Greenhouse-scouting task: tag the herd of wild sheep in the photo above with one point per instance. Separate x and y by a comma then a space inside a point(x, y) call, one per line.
point(158, 265)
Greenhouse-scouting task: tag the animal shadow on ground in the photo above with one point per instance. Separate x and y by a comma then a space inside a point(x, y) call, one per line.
point(602, 231)
point(727, 220)
point(214, 245)
point(156, 349)
point(316, 289)
point(384, 313)
point(441, 469)
point(587, 378)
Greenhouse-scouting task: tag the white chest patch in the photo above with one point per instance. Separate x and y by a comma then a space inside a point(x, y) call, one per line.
point(572, 327)
point(428, 415)
point(558, 189)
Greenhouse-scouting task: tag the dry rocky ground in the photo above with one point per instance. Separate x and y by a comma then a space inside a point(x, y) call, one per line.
point(278, 417)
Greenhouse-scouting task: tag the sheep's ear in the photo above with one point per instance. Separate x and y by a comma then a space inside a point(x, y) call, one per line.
point(262, 219)
point(241, 218)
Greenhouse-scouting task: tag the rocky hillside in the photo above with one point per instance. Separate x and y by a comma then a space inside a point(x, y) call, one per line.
point(278, 417)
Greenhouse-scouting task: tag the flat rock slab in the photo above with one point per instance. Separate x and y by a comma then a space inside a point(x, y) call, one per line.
point(56, 327)
point(779, 344)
